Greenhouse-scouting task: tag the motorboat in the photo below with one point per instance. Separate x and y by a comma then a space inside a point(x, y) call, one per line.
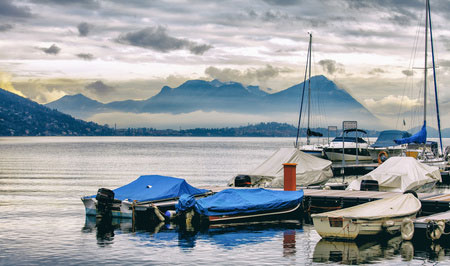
point(148, 192)
point(368, 219)
point(385, 146)
point(399, 174)
point(243, 205)
point(310, 170)
point(355, 148)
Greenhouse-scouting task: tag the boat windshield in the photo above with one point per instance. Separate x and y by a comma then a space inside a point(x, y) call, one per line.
point(349, 139)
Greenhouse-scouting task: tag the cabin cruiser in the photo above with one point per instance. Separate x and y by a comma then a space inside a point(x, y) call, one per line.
point(385, 146)
point(355, 148)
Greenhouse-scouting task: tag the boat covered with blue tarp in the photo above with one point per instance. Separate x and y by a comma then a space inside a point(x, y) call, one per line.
point(145, 192)
point(387, 138)
point(155, 187)
point(242, 202)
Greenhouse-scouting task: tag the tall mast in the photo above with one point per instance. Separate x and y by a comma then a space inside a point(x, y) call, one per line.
point(309, 88)
point(425, 72)
point(303, 95)
point(434, 78)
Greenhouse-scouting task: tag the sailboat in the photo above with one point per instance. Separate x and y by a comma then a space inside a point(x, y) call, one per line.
point(313, 149)
point(417, 144)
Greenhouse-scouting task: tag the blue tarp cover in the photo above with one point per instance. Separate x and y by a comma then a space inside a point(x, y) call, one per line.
point(155, 187)
point(387, 137)
point(419, 137)
point(245, 201)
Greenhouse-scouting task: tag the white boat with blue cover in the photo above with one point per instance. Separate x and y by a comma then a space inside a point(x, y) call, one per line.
point(242, 205)
point(145, 192)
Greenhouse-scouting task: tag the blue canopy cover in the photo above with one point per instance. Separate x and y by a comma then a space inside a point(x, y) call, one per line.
point(387, 138)
point(155, 187)
point(419, 137)
point(245, 201)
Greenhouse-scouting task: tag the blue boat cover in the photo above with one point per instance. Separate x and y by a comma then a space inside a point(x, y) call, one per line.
point(387, 137)
point(155, 187)
point(246, 201)
point(419, 137)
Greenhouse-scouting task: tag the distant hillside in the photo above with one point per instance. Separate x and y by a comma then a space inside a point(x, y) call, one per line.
point(230, 97)
point(23, 117)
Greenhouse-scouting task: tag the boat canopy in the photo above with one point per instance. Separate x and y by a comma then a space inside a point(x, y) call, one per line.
point(419, 137)
point(155, 187)
point(355, 130)
point(397, 206)
point(309, 170)
point(349, 139)
point(399, 174)
point(387, 137)
point(247, 201)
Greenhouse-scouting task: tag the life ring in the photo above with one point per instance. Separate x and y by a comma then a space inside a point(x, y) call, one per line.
point(382, 156)
point(407, 229)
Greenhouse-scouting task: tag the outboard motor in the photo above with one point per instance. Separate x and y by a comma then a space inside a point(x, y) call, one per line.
point(242, 181)
point(105, 200)
point(369, 185)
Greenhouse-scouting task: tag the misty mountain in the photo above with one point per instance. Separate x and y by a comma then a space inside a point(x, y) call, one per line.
point(230, 97)
point(23, 117)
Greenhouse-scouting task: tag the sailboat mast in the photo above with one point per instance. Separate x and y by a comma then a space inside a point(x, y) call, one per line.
point(434, 79)
point(309, 89)
point(303, 95)
point(426, 62)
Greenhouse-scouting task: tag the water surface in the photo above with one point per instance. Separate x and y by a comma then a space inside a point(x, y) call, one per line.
point(43, 219)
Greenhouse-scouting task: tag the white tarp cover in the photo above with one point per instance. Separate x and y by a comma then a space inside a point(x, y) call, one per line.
point(398, 174)
point(310, 170)
point(397, 206)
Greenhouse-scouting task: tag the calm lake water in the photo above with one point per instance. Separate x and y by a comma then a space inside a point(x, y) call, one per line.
point(43, 221)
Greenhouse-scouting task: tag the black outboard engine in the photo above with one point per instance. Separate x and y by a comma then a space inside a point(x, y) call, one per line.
point(242, 181)
point(105, 200)
point(369, 185)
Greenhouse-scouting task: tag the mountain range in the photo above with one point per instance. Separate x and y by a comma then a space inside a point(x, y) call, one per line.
point(230, 97)
point(22, 117)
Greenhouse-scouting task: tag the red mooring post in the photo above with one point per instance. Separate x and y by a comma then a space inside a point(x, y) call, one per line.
point(290, 176)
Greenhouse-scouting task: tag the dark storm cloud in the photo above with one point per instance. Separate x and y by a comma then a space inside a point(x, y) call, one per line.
point(84, 28)
point(282, 2)
point(99, 87)
point(86, 57)
point(330, 66)
point(8, 9)
point(408, 73)
point(376, 71)
point(5, 27)
point(51, 50)
point(82, 3)
point(156, 38)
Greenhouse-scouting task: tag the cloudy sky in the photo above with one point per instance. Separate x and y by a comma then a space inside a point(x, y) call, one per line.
point(115, 50)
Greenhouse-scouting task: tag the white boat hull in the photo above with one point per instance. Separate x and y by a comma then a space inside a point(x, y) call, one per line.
point(335, 156)
point(90, 205)
point(351, 228)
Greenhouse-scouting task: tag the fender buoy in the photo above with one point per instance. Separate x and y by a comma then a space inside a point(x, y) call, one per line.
point(382, 156)
point(407, 229)
point(435, 229)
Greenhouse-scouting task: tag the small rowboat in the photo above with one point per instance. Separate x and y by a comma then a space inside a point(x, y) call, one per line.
point(384, 215)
